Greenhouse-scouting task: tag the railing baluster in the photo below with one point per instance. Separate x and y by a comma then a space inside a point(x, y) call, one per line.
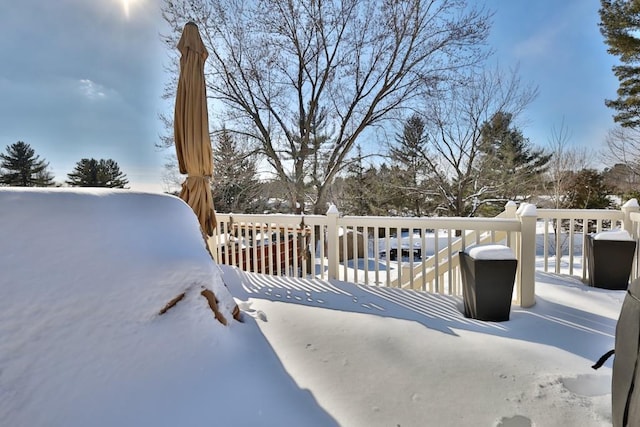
point(376, 253)
point(436, 260)
point(387, 248)
point(545, 244)
point(399, 255)
point(558, 245)
point(286, 236)
point(584, 250)
point(412, 263)
point(449, 277)
point(571, 244)
point(354, 248)
point(365, 247)
point(345, 276)
point(423, 258)
point(320, 243)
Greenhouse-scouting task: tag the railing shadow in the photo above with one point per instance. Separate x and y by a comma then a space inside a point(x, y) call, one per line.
point(577, 331)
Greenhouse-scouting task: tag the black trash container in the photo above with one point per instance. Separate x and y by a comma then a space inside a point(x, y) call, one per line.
point(609, 260)
point(487, 284)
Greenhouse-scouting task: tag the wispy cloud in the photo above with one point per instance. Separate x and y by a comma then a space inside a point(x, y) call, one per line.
point(542, 44)
point(92, 90)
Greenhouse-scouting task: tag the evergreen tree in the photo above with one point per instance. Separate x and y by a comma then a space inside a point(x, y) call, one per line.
point(356, 197)
point(388, 200)
point(409, 154)
point(97, 173)
point(620, 24)
point(21, 167)
point(588, 190)
point(235, 184)
point(511, 168)
point(371, 190)
point(320, 151)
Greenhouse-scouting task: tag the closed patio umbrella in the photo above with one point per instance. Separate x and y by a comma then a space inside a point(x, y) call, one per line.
point(191, 129)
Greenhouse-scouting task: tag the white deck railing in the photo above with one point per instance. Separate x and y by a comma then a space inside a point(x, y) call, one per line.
point(416, 253)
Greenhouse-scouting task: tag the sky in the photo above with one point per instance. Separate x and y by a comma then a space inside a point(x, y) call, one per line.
point(82, 79)
point(82, 341)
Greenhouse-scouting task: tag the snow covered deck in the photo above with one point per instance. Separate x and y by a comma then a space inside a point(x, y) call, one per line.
point(85, 272)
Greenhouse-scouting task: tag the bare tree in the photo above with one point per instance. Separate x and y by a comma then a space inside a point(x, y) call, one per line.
point(623, 146)
point(454, 122)
point(566, 159)
point(623, 157)
point(278, 65)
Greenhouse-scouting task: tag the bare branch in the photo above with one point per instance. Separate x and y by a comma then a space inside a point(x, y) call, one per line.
point(275, 65)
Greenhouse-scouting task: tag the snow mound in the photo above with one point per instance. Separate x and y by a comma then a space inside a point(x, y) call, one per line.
point(84, 276)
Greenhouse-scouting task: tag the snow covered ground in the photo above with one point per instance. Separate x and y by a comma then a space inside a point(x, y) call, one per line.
point(84, 273)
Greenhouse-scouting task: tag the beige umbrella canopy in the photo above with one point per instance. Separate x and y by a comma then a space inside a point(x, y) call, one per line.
point(191, 129)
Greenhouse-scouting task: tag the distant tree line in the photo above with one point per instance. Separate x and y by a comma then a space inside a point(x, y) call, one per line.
point(20, 166)
point(407, 181)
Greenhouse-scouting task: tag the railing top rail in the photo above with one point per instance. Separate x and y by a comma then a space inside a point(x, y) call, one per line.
point(474, 223)
point(289, 218)
point(580, 213)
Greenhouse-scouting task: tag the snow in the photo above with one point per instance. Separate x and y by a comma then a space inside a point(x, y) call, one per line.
point(616, 234)
point(527, 209)
point(84, 274)
point(496, 252)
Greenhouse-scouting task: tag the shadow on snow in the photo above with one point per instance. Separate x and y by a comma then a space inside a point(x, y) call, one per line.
point(547, 322)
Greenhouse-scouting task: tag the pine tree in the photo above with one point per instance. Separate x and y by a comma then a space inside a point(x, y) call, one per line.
point(511, 168)
point(356, 197)
point(619, 24)
point(588, 190)
point(235, 181)
point(21, 167)
point(371, 190)
point(409, 155)
point(97, 173)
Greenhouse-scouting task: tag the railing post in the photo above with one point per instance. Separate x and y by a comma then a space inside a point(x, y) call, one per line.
point(630, 206)
point(528, 216)
point(510, 209)
point(332, 240)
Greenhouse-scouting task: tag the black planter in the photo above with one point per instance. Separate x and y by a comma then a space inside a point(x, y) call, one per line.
point(487, 287)
point(609, 262)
